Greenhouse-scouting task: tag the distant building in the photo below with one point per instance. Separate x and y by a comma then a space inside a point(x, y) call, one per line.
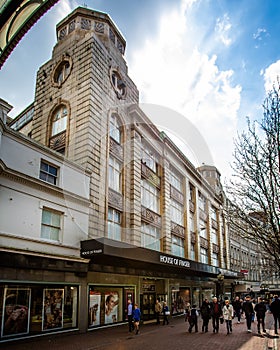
point(99, 206)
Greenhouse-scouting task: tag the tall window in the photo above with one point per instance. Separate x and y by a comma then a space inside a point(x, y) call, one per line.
point(48, 172)
point(114, 224)
point(201, 202)
point(59, 120)
point(149, 196)
point(149, 158)
point(213, 213)
point(214, 235)
point(177, 212)
point(191, 222)
point(192, 192)
point(115, 175)
point(215, 258)
point(203, 229)
point(176, 181)
point(204, 255)
point(177, 246)
point(150, 237)
point(115, 128)
point(51, 225)
point(192, 251)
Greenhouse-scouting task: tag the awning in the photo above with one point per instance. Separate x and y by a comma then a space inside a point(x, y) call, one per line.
point(105, 251)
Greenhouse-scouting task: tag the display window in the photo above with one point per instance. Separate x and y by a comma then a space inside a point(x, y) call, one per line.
point(108, 305)
point(34, 309)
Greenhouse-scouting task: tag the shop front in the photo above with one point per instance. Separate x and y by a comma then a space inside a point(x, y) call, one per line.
point(42, 297)
point(144, 275)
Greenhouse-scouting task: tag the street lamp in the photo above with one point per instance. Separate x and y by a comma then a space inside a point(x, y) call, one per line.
point(220, 285)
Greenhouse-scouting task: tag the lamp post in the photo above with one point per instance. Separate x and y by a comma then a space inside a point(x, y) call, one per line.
point(220, 286)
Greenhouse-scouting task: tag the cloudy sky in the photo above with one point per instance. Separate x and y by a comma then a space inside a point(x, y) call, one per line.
point(203, 65)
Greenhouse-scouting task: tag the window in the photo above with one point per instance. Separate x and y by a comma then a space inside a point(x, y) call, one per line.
point(62, 71)
point(149, 158)
point(214, 235)
point(204, 255)
point(192, 251)
point(201, 202)
point(118, 83)
point(213, 213)
point(149, 196)
point(215, 257)
point(48, 172)
point(114, 224)
point(177, 212)
point(114, 174)
point(59, 120)
point(51, 225)
point(115, 128)
point(150, 237)
point(176, 181)
point(192, 192)
point(177, 246)
point(191, 222)
point(203, 229)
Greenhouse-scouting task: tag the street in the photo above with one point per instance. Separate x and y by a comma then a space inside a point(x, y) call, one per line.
point(174, 336)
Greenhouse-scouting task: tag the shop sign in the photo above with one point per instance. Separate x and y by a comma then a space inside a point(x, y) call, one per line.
point(86, 253)
point(174, 261)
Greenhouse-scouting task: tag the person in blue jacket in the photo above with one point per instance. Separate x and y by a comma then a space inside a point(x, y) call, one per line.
point(165, 312)
point(136, 317)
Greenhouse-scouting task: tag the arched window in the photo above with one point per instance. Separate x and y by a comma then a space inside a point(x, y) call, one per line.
point(62, 71)
point(115, 128)
point(58, 128)
point(59, 120)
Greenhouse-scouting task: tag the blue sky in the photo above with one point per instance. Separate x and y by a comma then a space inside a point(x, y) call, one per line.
point(211, 61)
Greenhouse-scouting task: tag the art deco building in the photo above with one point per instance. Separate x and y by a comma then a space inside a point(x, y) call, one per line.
point(105, 205)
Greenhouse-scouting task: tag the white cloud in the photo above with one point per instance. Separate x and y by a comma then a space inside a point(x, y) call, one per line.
point(222, 29)
point(170, 70)
point(271, 74)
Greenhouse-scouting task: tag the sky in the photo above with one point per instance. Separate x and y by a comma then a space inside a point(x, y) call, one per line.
point(201, 66)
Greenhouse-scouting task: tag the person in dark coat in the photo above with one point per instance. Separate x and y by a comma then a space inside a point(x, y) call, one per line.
point(193, 319)
point(247, 308)
point(216, 313)
point(275, 310)
point(237, 307)
point(205, 311)
point(260, 309)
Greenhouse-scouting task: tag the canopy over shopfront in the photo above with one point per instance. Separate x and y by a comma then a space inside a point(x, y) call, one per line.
point(104, 251)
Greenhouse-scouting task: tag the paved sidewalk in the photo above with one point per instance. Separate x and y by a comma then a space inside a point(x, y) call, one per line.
point(154, 337)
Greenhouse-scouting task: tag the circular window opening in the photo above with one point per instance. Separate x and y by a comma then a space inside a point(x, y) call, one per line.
point(118, 83)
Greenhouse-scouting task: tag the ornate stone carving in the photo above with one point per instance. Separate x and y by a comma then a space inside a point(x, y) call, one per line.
point(150, 216)
point(148, 174)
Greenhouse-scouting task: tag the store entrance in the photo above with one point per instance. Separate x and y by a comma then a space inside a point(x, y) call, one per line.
point(147, 305)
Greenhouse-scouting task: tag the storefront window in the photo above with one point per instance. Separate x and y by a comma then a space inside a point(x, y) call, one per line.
point(33, 309)
point(107, 305)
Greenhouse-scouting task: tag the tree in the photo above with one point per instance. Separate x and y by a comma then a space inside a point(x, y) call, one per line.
point(254, 190)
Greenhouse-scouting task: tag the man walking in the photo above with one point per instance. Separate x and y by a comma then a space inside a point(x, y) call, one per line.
point(248, 310)
point(216, 313)
point(158, 310)
point(237, 306)
point(129, 316)
point(275, 309)
point(260, 310)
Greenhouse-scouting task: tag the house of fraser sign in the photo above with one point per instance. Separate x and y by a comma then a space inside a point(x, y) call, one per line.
point(174, 261)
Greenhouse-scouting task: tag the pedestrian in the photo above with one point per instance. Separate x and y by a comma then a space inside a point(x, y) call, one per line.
point(205, 311)
point(193, 319)
point(158, 310)
point(260, 309)
point(130, 316)
point(275, 310)
point(166, 313)
point(136, 317)
point(216, 313)
point(228, 313)
point(237, 306)
point(247, 308)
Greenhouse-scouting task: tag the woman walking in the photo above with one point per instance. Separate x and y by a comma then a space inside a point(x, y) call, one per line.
point(136, 317)
point(228, 315)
